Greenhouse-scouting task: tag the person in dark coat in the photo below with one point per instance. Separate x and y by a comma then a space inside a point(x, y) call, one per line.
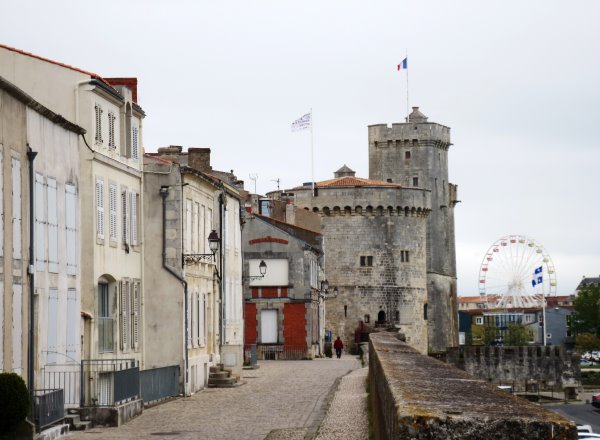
point(338, 345)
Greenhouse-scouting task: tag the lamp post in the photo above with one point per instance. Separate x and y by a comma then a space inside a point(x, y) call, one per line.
point(323, 294)
point(214, 241)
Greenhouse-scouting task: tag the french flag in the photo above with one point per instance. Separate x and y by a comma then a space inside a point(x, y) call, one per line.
point(403, 64)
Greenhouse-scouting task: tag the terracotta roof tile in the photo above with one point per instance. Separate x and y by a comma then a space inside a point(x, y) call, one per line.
point(348, 181)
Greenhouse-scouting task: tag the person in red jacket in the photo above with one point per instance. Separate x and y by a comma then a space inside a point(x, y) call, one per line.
point(338, 345)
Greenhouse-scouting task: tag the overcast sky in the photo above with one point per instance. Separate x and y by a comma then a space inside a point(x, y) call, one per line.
point(518, 82)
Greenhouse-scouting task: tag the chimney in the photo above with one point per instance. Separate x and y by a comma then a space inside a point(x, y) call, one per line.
point(172, 153)
point(130, 83)
point(199, 159)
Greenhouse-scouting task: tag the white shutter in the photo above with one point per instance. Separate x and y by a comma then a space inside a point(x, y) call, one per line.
point(40, 232)
point(100, 208)
point(2, 326)
point(52, 335)
point(134, 217)
point(17, 328)
point(124, 315)
point(52, 226)
point(71, 227)
point(1, 230)
point(135, 315)
point(112, 215)
point(16, 208)
point(202, 237)
point(135, 146)
point(125, 211)
point(188, 227)
point(196, 208)
point(72, 323)
point(201, 317)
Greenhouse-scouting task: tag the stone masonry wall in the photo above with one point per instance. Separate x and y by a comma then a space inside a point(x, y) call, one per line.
point(548, 366)
point(417, 397)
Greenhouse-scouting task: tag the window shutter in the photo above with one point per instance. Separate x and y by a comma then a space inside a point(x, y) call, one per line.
point(200, 319)
point(40, 233)
point(72, 323)
point(52, 227)
point(188, 227)
point(16, 208)
point(17, 328)
point(133, 217)
point(196, 208)
point(125, 206)
point(100, 208)
point(112, 214)
point(124, 315)
point(135, 146)
point(52, 338)
point(71, 227)
point(135, 316)
point(98, 110)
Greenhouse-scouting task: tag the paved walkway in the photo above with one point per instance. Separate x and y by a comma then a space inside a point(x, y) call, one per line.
point(281, 400)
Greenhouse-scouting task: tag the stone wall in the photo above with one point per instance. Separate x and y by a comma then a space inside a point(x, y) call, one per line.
point(417, 397)
point(518, 366)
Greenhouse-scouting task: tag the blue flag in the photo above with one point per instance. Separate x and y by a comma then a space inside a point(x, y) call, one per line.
point(537, 277)
point(538, 270)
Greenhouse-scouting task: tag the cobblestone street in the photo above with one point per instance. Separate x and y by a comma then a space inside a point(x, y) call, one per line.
point(280, 395)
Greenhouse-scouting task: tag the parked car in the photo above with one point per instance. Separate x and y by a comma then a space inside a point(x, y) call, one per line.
point(587, 435)
point(584, 429)
point(596, 400)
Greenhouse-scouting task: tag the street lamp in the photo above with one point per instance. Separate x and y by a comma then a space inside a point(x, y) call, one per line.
point(214, 241)
point(262, 268)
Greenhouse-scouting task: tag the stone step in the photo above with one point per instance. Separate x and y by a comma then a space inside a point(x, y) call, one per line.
point(223, 381)
point(219, 375)
point(74, 420)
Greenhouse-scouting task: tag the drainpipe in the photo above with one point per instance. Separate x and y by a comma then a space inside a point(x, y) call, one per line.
point(164, 193)
point(223, 274)
point(30, 360)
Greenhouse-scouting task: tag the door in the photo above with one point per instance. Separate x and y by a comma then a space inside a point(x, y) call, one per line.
point(268, 326)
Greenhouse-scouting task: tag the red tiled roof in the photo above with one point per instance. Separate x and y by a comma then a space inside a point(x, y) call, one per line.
point(22, 52)
point(349, 181)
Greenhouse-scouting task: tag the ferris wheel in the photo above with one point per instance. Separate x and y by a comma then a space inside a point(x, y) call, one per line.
point(516, 271)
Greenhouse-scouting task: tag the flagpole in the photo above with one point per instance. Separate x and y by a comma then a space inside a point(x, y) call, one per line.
point(312, 155)
point(407, 105)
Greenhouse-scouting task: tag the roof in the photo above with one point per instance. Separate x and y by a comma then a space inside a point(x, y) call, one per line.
point(351, 182)
point(588, 281)
point(27, 100)
point(306, 235)
point(77, 69)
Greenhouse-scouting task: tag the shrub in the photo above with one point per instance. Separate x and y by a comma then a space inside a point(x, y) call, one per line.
point(14, 400)
point(327, 349)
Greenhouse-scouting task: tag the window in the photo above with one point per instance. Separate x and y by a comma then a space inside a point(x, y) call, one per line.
point(98, 110)
point(407, 154)
point(16, 207)
point(187, 248)
point(40, 224)
point(479, 320)
point(124, 312)
point(345, 311)
point(105, 322)
point(52, 335)
point(366, 260)
point(367, 319)
point(111, 130)
point(134, 218)
point(134, 144)
point(73, 318)
point(415, 181)
point(100, 208)
point(404, 256)
point(425, 312)
point(71, 228)
point(129, 217)
point(52, 226)
point(135, 315)
point(112, 212)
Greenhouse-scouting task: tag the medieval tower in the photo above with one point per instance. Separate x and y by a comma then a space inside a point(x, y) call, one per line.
point(389, 239)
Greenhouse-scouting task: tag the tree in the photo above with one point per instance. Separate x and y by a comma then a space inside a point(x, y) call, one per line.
point(586, 318)
point(517, 335)
point(587, 342)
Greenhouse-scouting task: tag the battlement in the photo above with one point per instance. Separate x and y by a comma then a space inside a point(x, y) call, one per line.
point(408, 134)
point(405, 211)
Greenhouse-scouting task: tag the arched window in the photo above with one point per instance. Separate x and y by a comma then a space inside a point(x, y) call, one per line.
point(381, 317)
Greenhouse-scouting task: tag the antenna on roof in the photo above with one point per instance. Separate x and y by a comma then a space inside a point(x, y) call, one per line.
point(254, 177)
point(276, 180)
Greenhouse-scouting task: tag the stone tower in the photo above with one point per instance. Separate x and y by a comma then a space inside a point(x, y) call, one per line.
point(375, 235)
point(415, 155)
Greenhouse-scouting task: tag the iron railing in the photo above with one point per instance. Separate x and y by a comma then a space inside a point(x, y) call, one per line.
point(109, 382)
point(159, 383)
point(106, 341)
point(65, 376)
point(276, 352)
point(49, 407)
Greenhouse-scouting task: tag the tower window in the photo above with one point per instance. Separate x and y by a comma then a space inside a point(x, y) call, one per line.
point(345, 311)
point(404, 256)
point(389, 180)
point(415, 181)
point(367, 319)
point(366, 260)
point(425, 312)
point(407, 154)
